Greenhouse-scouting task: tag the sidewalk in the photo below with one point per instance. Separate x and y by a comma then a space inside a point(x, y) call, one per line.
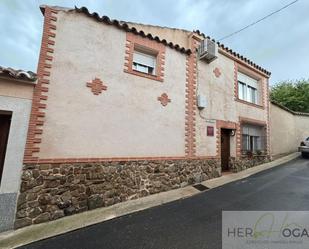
point(33, 233)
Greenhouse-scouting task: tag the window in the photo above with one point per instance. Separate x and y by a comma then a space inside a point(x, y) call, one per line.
point(253, 138)
point(242, 90)
point(247, 88)
point(144, 57)
point(144, 63)
point(252, 95)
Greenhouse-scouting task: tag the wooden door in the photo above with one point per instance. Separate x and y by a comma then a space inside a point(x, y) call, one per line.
point(5, 122)
point(225, 149)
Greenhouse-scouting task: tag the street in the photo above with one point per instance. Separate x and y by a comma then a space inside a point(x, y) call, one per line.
point(194, 222)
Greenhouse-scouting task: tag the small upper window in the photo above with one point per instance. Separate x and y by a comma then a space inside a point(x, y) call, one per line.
point(247, 88)
point(144, 62)
point(144, 57)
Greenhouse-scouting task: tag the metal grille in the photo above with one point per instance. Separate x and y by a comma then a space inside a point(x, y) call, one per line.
point(200, 187)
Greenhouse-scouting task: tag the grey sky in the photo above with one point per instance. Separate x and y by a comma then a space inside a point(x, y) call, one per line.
point(280, 43)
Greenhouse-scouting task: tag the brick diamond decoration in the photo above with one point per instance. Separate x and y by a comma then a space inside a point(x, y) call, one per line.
point(164, 99)
point(217, 72)
point(96, 86)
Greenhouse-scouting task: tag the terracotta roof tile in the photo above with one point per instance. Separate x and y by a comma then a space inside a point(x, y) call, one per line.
point(18, 74)
point(289, 110)
point(125, 26)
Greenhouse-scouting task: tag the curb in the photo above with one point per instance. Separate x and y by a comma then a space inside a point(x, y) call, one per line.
point(225, 179)
point(26, 235)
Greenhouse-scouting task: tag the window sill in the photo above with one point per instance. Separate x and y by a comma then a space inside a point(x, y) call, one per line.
point(145, 75)
point(249, 103)
point(253, 155)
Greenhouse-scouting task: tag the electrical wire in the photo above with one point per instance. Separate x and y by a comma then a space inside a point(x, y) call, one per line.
point(251, 24)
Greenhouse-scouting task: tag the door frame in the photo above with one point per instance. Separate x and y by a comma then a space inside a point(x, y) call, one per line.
point(4, 139)
point(228, 125)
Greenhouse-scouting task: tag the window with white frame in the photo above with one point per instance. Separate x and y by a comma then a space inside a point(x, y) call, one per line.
point(253, 138)
point(144, 62)
point(247, 88)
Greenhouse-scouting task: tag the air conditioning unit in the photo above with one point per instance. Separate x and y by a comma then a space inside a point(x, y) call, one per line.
point(208, 50)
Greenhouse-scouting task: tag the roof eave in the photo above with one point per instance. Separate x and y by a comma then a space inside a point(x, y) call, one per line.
point(44, 6)
point(23, 81)
point(264, 73)
point(17, 75)
point(125, 27)
point(289, 110)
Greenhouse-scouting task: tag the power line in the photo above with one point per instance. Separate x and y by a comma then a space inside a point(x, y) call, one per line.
point(248, 26)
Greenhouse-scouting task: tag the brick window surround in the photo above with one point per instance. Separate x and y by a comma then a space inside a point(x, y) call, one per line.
point(134, 41)
point(261, 83)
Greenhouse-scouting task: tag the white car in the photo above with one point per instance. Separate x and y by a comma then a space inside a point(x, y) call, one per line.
point(304, 147)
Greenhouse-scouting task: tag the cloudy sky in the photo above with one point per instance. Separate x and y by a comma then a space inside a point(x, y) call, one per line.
point(280, 43)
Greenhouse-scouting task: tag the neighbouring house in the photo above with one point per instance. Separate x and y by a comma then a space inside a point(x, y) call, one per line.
point(16, 90)
point(294, 128)
point(124, 110)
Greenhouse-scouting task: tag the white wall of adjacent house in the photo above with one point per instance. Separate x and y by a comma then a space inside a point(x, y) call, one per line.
point(287, 130)
point(301, 128)
point(15, 102)
point(126, 120)
point(16, 98)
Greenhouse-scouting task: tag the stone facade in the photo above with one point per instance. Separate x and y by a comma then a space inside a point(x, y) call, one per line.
point(51, 191)
point(244, 162)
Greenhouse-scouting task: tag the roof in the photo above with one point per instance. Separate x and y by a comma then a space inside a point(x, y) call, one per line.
point(289, 110)
point(124, 26)
point(17, 74)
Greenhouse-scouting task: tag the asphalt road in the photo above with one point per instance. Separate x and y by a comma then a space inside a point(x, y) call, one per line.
point(195, 222)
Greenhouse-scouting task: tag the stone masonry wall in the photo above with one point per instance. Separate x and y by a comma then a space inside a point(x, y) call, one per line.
point(51, 191)
point(239, 164)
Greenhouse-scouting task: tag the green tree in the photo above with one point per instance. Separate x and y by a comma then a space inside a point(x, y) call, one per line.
point(292, 94)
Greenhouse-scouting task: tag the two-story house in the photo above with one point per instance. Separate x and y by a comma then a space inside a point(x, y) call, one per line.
point(123, 110)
